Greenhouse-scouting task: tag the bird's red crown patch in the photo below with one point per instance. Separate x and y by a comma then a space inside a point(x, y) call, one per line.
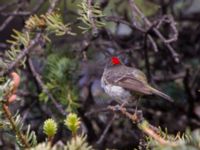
point(115, 61)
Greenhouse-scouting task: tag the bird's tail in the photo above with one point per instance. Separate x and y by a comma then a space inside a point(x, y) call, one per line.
point(161, 94)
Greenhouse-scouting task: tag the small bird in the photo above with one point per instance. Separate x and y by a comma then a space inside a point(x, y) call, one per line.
point(124, 83)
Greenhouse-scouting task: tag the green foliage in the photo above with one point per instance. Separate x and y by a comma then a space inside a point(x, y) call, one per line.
point(5, 88)
point(60, 69)
point(16, 122)
point(72, 122)
point(78, 143)
point(59, 76)
point(34, 23)
point(18, 42)
point(188, 141)
point(1, 118)
point(48, 24)
point(90, 15)
point(55, 24)
point(50, 127)
point(29, 136)
point(44, 146)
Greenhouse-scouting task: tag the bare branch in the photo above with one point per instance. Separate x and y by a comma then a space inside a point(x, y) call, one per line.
point(135, 9)
point(44, 88)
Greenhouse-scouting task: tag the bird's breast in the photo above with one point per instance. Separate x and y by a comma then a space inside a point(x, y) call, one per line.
point(118, 93)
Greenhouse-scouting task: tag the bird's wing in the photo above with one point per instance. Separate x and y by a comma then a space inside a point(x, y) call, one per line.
point(131, 83)
point(139, 75)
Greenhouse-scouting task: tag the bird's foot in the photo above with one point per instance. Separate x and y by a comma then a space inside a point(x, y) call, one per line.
point(117, 107)
point(135, 116)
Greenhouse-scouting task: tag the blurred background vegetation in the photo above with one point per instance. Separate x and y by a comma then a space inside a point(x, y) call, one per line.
point(64, 47)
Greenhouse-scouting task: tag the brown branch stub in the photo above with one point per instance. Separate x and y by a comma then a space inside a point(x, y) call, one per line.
point(16, 81)
point(12, 98)
point(145, 127)
point(136, 117)
point(11, 88)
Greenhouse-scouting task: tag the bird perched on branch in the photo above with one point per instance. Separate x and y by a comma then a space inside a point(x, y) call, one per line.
point(124, 83)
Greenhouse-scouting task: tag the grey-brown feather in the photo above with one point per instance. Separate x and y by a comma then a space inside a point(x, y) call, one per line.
point(130, 79)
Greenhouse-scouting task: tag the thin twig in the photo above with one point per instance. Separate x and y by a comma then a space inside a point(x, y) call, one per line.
point(12, 122)
point(146, 128)
point(96, 111)
point(7, 5)
point(190, 97)
point(25, 51)
point(34, 10)
point(103, 135)
point(135, 9)
point(33, 43)
point(10, 18)
point(169, 20)
point(53, 4)
point(144, 125)
point(24, 13)
point(7, 21)
point(119, 19)
point(90, 16)
point(44, 88)
point(2, 45)
point(168, 78)
point(38, 6)
point(153, 43)
point(147, 64)
point(19, 13)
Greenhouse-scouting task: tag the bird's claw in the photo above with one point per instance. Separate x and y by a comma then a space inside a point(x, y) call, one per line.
point(116, 107)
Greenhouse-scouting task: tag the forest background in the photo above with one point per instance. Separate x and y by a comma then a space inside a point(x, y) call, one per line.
point(52, 55)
